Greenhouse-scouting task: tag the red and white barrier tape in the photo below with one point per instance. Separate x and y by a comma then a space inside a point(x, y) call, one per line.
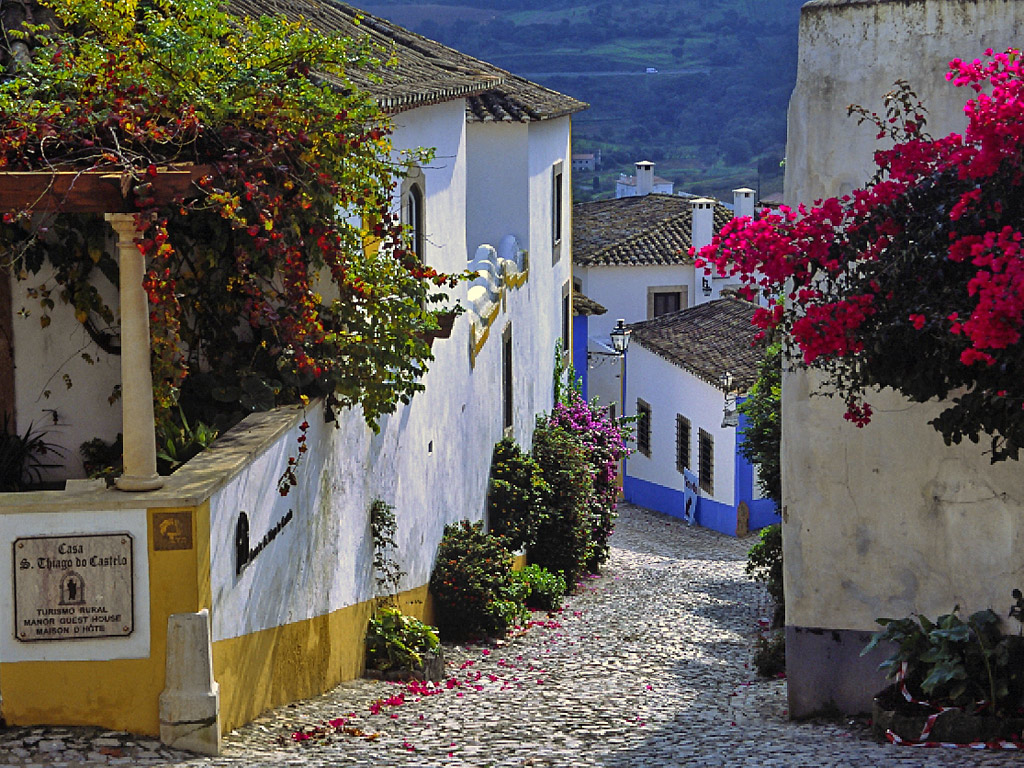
point(923, 741)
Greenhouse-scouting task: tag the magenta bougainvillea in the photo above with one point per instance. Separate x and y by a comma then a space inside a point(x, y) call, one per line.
point(916, 281)
point(604, 445)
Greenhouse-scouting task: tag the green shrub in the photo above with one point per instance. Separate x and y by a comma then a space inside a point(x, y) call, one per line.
point(563, 542)
point(764, 564)
point(515, 496)
point(770, 655)
point(952, 662)
point(473, 592)
point(545, 590)
point(397, 641)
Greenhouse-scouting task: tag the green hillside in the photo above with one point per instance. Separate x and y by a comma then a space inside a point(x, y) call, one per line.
point(712, 118)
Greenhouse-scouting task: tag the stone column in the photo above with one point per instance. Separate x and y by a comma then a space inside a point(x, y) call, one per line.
point(136, 376)
point(190, 704)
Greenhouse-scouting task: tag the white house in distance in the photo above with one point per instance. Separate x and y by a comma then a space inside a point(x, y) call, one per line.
point(285, 620)
point(643, 183)
point(886, 520)
point(586, 161)
point(631, 255)
point(679, 368)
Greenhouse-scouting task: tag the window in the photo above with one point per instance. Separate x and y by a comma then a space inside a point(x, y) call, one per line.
point(413, 212)
point(665, 303)
point(643, 428)
point(706, 461)
point(506, 378)
point(682, 442)
point(662, 299)
point(556, 211)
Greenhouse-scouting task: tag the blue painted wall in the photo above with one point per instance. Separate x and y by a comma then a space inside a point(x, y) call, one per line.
point(669, 501)
point(762, 511)
point(579, 350)
point(710, 513)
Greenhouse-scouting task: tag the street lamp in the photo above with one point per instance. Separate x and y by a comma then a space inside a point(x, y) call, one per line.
point(730, 416)
point(620, 343)
point(620, 337)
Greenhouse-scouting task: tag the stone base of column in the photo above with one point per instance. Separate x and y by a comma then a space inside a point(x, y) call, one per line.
point(139, 482)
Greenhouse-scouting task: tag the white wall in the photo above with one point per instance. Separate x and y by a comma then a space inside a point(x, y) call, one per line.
point(623, 291)
point(443, 127)
point(431, 458)
point(671, 390)
point(853, 52)
point(497, 184)
point(43, 356)
point(886, 520)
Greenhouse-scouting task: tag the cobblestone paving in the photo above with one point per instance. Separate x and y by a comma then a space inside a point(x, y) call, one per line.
point(646, 666)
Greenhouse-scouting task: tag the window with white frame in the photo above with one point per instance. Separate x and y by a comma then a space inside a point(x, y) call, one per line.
point(557, 196)
point(706, 461)
point(683, 433)
point(507, 380)
point(643, 427)
point(413, 212)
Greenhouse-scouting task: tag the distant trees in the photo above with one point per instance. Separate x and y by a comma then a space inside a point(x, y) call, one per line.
point(734, 111)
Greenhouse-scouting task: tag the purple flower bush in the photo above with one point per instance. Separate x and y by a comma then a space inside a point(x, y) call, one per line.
point(604, 445)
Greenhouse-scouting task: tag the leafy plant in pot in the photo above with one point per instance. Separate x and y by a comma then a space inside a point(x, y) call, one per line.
point(956, 680)
point(23, 457)
point(398, 647)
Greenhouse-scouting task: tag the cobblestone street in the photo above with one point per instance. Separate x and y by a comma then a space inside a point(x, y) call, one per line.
point(646, 666)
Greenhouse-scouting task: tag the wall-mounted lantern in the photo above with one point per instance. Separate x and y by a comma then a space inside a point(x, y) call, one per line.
point(730, 415)
point(705, 286)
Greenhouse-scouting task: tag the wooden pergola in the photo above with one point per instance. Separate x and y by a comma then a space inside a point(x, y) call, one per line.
point(112, 193)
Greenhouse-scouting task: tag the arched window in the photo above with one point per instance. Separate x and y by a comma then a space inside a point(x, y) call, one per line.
point(413, 205)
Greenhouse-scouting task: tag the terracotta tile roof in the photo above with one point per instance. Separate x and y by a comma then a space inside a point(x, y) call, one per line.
point(642, 231)
point(520, 100)
point(583, 305)
point(426, 71)
point(707, 340)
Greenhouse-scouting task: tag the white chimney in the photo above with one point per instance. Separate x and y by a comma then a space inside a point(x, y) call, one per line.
point(703, 221)
point(644, 178)
point(743, 202)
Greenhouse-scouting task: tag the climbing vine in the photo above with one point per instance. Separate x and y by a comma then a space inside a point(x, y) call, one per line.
point(284, 271)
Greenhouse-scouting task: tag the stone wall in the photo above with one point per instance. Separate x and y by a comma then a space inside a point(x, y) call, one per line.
point(885, 520)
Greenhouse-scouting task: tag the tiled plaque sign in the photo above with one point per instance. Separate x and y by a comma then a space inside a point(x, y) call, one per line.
point(73, 587)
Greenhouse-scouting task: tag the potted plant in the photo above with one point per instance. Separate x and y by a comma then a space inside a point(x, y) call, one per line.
point(23, 457)
point(955, 680)
point(400, 647)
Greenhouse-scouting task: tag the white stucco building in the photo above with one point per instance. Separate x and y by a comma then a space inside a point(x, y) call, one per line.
point(686, 462)
point(290, 622)
point(885, 520)
point(631, 255)
point(643, 183)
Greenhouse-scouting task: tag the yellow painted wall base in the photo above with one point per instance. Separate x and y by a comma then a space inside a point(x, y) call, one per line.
point(266, 669)
point(121, 694)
